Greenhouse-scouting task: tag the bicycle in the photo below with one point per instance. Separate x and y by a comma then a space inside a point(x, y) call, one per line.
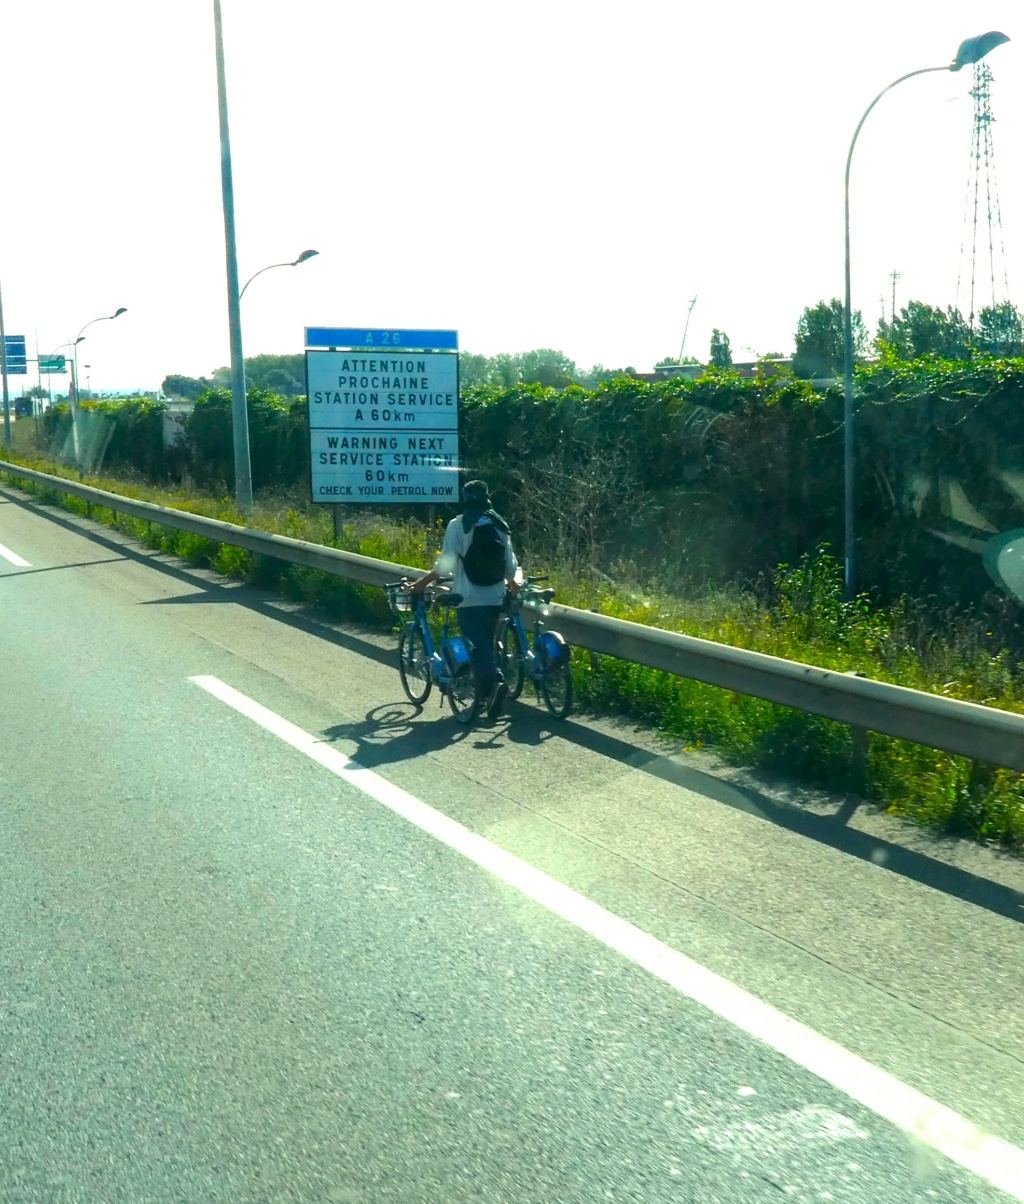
point(422, 664)
point(545, 657)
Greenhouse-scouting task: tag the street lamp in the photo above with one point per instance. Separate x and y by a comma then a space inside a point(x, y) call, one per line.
point(294, 263)
point(74, 392)
point(972, 50)
point(76, 442)
point(239, 403)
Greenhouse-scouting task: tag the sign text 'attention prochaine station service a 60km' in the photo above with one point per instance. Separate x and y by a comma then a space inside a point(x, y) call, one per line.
point(383, 415)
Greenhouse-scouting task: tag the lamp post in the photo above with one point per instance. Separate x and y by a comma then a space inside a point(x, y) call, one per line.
point(239, 407)
point(74, 344)
point(293, 263)
point(972, 50)
point(72, 397)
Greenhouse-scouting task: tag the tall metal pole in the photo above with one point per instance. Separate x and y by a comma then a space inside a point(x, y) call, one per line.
point(849, 457)
point(3, 373)
point(76, 440)
point(239, 411)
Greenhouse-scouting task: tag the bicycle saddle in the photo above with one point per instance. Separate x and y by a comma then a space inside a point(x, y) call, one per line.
point(448, 599)
point(544, 595)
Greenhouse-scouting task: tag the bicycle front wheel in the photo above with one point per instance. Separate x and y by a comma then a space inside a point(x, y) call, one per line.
point(556, 686)
point(509, 657)
point(464, 695)
point(414, 665)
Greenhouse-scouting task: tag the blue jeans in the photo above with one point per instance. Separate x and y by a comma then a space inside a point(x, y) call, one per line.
point(479, 625)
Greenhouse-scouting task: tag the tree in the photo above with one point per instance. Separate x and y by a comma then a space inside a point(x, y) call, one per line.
point(819, 339)
point(721, 353)
point(473, 370)
point(188, 387)
point(282, 374)
point(504, 371)
point(599, 375)
point(546, 367)
point(1001, 329)
point(921, 329)
point(671, 360)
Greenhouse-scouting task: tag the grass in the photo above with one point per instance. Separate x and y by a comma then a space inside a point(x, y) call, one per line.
point(800, 616)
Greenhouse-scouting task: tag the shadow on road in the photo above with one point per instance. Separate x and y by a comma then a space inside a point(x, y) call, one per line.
point(388, 733)
point(56, 568)
point(830, 830)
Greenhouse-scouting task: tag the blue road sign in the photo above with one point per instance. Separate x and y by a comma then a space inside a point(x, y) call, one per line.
point(360, 338)
point(17, 361)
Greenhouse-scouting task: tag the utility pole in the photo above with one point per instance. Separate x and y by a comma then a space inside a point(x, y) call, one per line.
point(239, 408)
point(686, 328)
point(894, 276)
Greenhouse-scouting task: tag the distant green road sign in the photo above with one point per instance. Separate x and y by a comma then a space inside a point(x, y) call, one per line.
point(53, 365)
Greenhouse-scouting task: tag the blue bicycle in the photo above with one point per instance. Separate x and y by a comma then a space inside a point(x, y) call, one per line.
point(421, 663)
point(545, 657)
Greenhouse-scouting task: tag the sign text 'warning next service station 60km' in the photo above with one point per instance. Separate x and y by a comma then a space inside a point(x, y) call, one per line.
point(383, 415)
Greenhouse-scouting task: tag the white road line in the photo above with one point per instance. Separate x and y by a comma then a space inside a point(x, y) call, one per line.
point(13, 557)
point(931, 1123)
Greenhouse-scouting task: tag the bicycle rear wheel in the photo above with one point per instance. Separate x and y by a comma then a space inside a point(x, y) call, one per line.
point(464, 695)
point(510, 657)
point(556, 686)
point(414, 664)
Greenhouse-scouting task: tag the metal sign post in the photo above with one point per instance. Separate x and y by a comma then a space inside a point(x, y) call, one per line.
point(383, 415)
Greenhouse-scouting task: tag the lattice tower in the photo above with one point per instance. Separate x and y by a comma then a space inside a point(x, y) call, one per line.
point(982, 207)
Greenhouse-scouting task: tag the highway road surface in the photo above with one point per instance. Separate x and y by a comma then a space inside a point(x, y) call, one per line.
point(270, 934)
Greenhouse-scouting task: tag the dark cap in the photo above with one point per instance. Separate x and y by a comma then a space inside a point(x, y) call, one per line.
point(476, 492)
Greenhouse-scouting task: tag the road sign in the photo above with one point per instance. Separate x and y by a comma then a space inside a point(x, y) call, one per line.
point(361, 337)
point(52, 365)
point(17, 363)
point(383, 425)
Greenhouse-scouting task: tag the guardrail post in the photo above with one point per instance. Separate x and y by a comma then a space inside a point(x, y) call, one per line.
point(858, 749)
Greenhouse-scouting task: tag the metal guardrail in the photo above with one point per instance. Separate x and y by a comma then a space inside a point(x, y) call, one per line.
point(364, 569)
point(965, 728)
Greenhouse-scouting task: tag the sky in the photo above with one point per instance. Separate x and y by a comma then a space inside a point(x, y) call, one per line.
point(554, 173)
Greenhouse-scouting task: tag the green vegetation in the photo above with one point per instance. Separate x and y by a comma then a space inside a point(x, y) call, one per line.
point(281, 374)
point(720, 352)
point(704, 482)
point(799, 614)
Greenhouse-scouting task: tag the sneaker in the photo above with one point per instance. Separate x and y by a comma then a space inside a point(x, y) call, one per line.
point(497, 700)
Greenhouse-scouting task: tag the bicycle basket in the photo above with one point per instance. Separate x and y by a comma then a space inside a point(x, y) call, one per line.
point(400, 600)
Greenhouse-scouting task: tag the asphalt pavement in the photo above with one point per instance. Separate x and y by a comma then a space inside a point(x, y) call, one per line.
point(272, 934)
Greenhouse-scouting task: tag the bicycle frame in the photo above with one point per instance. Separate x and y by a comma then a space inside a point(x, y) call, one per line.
point(438, 670)
point(531, 661)
point(536, 666)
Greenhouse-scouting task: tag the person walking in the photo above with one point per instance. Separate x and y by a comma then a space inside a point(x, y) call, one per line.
point(477, 553)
